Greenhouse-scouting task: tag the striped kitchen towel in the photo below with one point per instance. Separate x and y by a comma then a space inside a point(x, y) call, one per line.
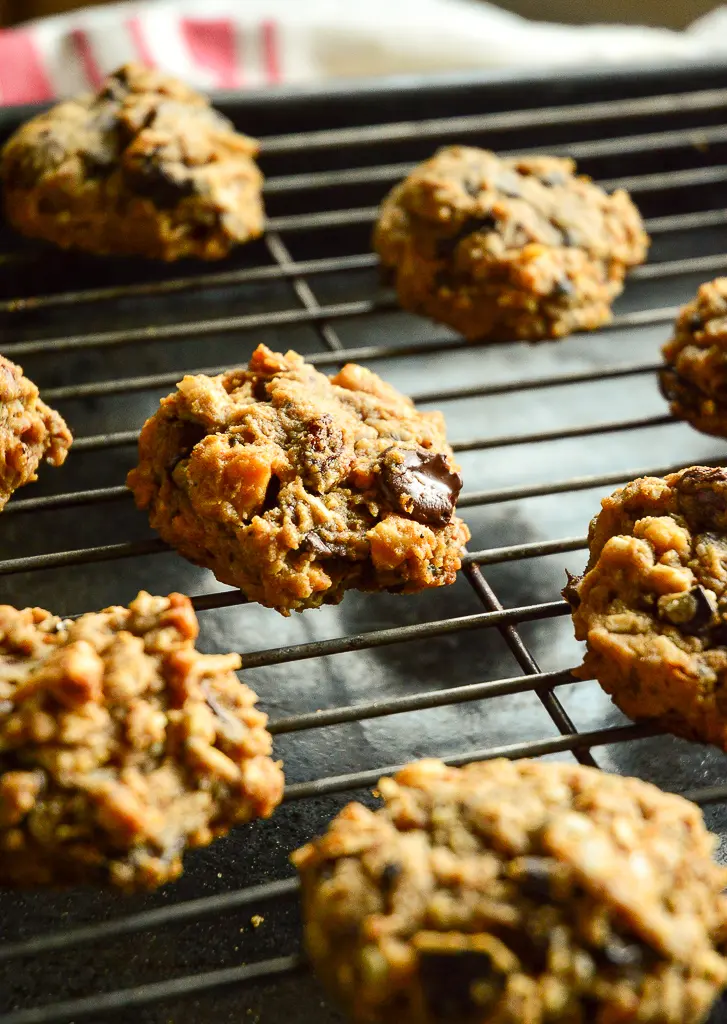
point(231, 44)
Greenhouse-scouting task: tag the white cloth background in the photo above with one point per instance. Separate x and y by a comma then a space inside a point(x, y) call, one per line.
point(251, 43)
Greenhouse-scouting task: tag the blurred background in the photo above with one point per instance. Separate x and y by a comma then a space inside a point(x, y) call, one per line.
point(668, 13)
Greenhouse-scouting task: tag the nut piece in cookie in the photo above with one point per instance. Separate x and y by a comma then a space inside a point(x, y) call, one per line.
point(29, 431)
point(507, 248)
point(296, 487)
point(694, 380)
point(652, 603)
point(516, 893)
point(146, 167)
point(121, 746)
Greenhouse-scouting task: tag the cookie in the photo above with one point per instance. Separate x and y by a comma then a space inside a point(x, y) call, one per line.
point(516, 893)
point(146, 168)
point(694, 380)
point(30, 432)
point(652, 604)
point(296, 487)
point(121, 746)
point(505, 249)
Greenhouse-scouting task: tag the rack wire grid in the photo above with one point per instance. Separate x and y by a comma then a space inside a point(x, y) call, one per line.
point(477, 670)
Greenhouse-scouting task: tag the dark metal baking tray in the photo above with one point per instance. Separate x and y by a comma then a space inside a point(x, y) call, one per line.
point(542, 431)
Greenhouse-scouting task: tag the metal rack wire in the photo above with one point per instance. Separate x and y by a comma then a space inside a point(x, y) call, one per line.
point(310, 189)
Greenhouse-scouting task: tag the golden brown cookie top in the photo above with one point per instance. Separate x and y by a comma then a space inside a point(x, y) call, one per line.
point(465, 196)
point(121, 745)
point(694, 379)
point(474, 888)
point(30, 431)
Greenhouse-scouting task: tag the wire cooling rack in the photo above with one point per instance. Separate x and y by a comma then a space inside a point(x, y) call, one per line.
point(475, 671)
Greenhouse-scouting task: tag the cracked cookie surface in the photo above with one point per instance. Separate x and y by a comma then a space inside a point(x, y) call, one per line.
point(121, 746)
point(517, 893)
point(694, 380)
point(146, 167)
point(504, 249)
point(30, 432)
point(296, 487)
point(652, 603)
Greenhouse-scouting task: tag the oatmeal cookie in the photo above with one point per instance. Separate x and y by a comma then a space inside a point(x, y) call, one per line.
point(507, 248)
point(29, 431)
point(295, 487)
point(652, 604)
point(146, 167)
point(121, 746)
point(517, 893)
point(694, 381)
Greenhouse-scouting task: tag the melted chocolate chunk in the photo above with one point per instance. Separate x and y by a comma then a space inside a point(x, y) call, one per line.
point(529, 946)
point(390, 875)
point(271, 495)
point(190, 434)
point(447, 977)
point(164, 184)
point(536, 879)
point(691, 612)
point(695, 322)
point(323, 548)
point(421, 484)
point(570, 590)
point(718, 635)
point(446, 246)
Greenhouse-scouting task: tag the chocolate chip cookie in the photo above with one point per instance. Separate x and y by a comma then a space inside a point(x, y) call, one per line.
point(296, 487)
point(29, 431)
point(652, 603)
point(121, 746)
point(517, 893)
point(507, 248)
point(694, 381)
point(146, 167)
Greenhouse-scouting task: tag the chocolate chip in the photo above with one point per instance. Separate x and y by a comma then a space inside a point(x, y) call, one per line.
point(117, 86)
point(691, 611)
point(271, 495)
point(421, 484)
point(189, 434)
point(695, 322)
point(446, 246)
point(530, 947)
point(260, 389)
point(570, 590)
point(536, 878)
point(324, 548)
point(164, 183)
point(447, 978)
point(389, 875)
